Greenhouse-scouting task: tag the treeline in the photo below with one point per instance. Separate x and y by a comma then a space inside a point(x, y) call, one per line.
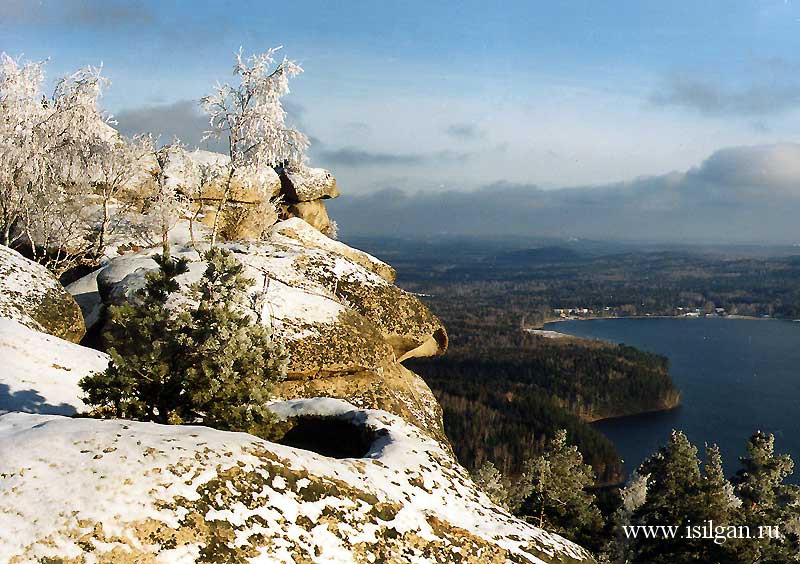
point(595, 277)
point(673, 510)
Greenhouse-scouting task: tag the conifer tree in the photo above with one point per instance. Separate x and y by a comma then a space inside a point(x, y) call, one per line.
point(233, 358)
point(558, 481)
point(720, 500)
point(767, 501)
point(489, 479)
point(632, 497)
point(720, 508)
point(674, 498)
point(211, 363)
point(144, 378)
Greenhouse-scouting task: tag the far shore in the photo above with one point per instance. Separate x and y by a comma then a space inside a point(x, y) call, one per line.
point(540, 327)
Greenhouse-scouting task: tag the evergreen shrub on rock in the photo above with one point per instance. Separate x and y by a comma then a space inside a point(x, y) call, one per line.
point(198, 358)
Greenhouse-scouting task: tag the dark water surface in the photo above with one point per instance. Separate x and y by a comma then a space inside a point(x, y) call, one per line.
point(735, 376)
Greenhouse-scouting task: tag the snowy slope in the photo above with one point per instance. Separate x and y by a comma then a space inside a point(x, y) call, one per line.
point(39, 373)
point(183, 493)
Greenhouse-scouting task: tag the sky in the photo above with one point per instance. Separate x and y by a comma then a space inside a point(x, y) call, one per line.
point(625, 120)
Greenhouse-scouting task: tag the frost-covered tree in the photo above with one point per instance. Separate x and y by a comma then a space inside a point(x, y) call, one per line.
point(632, 497)
point(767, 501)
point(492, 482)
point(720, 500)
point(54, 152)
point(116, 168)
point(21, 113)
point(249, 117)
point(167, 205)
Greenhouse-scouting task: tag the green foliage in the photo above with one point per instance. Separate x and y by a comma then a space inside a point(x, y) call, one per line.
point(503, 391)
point(556, 492)
point(494, 484)
point(208, 363)
point(674, 497)
point(767, 501)
point(679, 494)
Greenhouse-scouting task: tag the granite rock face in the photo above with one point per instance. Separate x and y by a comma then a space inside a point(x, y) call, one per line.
point(305, 184)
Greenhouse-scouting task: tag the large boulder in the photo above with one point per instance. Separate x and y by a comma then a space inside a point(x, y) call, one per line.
point(321, 335)
point(84, 291)
point(41, 372)
point(346, 485)
point(301, 231)
point(391, 387)
point(31, 295)
point(305, 184)
point(314, 213)
point(320, 299)
point(185, 170)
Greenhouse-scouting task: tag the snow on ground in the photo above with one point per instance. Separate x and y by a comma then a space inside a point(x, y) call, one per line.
point(144, 488)
point(40, 372)
point(298, 230)
point(547, 334)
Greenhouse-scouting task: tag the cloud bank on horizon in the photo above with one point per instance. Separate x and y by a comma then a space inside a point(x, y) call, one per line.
point(426, 106)
point(737, 195)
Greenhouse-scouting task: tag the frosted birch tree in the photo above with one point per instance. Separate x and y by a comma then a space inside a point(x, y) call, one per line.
point(21, 111)
point(249, 117)
point(116, 167)
point(53, 152)
point(168, 205)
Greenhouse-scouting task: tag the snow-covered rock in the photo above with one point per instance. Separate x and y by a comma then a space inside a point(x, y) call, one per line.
point(343, 324)
point(304, 184)
point(84, 291)
point(40, 372)
point(30, 294)
point(89, 490)
point(334, 313)
point(184, 170)
point(296, 228)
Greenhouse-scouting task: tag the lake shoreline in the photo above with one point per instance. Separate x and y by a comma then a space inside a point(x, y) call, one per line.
point(541, 326)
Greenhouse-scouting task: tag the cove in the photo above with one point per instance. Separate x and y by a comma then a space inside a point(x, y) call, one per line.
point(735, 376)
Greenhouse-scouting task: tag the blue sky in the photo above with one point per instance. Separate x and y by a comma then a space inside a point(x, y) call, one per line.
point(433, 97)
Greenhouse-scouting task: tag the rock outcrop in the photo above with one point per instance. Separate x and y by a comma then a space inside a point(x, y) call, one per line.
point(363, 471)
point(204, 173)
point(31, 295)
point(306, 184)
point(344, 326)
point(201, 176)
point(141, 492)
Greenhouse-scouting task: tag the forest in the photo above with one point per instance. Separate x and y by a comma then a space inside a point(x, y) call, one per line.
point(536, 277)
point(504, 391)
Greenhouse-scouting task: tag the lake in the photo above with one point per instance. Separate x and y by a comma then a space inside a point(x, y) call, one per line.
point(735, 376)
